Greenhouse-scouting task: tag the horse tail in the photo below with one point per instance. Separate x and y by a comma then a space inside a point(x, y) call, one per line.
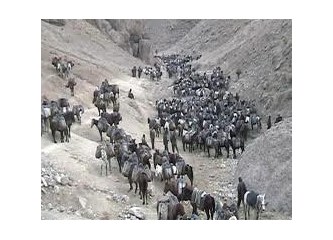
point(213, 208)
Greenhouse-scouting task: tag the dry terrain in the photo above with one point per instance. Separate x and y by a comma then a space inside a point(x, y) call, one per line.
point(74, 188)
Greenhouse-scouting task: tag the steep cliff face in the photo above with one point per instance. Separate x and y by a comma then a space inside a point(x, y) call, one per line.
point(127, 34)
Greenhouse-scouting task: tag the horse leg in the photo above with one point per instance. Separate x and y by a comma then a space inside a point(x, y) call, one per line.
point(119, 164)
point(130, 183)
point(195, 209)
point(109, 162)
point(100, 133)
point(234, 151)
point(69, 131)
point(53, 135)
point(62, 136)
point(207, 213)
point(227, 149)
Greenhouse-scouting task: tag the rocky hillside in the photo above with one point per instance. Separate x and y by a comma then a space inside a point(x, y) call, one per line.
point(266, 166)
point(260, 49)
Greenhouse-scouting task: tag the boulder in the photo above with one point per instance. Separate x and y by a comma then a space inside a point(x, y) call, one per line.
point(137, 212)
point(83, 202)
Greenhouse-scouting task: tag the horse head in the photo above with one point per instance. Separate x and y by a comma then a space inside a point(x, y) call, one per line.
point(261, 202)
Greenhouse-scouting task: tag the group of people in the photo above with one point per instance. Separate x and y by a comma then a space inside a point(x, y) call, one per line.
point(277, 120)
point(134, 70)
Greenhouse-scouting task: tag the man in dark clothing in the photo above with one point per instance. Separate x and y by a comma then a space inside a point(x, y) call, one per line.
point(278, 119)
point(139, 72)
point(241, 190)
point(134, 71)
point(269, 122)
point(166, 139)
point(130, 94)
point(143, 141)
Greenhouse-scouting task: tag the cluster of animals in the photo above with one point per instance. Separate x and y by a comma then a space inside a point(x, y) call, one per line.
point(203, 114)
point(104, 95)
point(63, 68)
point(59, 116)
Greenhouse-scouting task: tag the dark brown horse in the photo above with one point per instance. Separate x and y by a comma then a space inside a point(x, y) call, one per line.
point(169, 208)
point(71, 84)
point(58, 123)
point(101, 124)
point(199, 199)
point(237, 143)
point(143, 180)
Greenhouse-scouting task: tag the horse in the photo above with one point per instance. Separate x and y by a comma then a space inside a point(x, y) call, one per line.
point(173, 140)
point(155, 124)
point(203, 201)
point(255, 201)
point(101, 105)
point(78, 110)
point(112, 118)
point(198, 199)
point(143, 180)
point(152, 134)
point(255, 120)
point(70, 119)
point(139, 175)
point(210, 142)
point(168, 208)
point(70, 84)
point(225, 212)
point(101, 124)
point(237, 143)
point(144, 155)
point(45, 117)
point(157, 158)
point(188, 138)
point(58, 123)
point(114, 89)
point(110, 152)
point(184, 169)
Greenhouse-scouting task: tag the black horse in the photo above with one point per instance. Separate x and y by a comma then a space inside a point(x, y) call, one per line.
point(143, 180)
point(101, 124)
point(70, 119)
point(71, 84)
point(58, 123)
point(78, 110)
point(237, 143)
point(197, 198)
point(112, 118)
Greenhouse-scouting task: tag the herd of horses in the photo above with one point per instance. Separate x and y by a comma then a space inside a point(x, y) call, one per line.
point(59, 116)
point(203, 114)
